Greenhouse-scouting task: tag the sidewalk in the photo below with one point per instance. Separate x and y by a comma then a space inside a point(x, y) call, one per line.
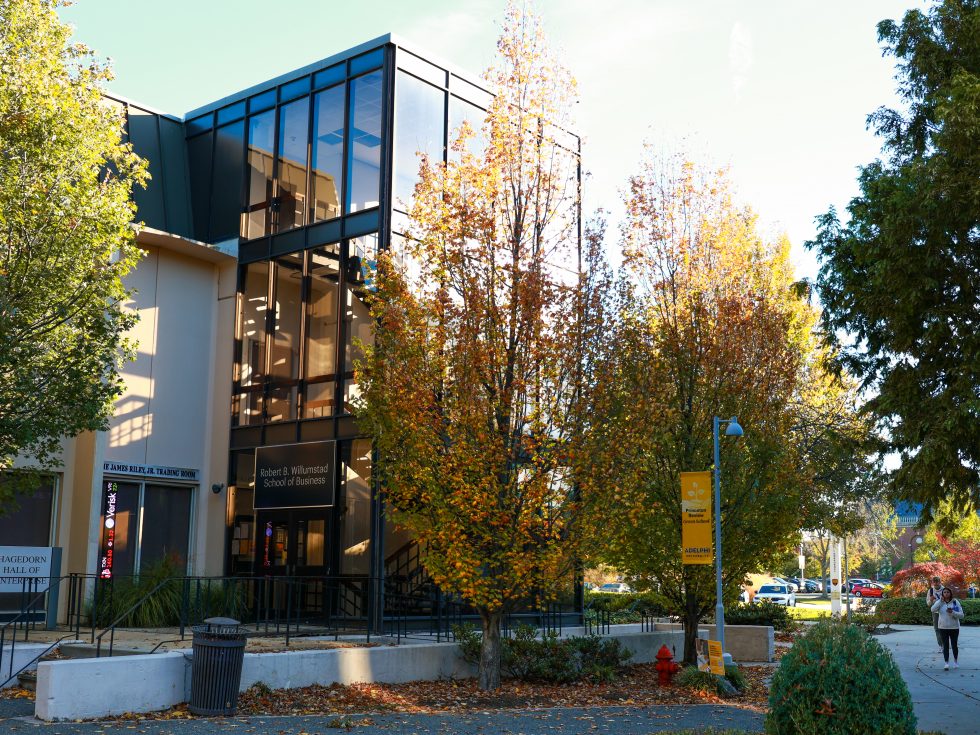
point(945, 701)
point(567, 721)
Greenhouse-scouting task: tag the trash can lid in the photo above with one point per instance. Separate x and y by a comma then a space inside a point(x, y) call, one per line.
point(221, 621)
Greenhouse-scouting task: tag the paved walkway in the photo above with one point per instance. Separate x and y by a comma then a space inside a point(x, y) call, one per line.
point(945, 701)
point(563, 721)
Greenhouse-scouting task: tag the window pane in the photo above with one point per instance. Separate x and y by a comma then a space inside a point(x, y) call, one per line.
point(355, 525)
point(199, 159)
point(356, 315)
point(364, 147)
point(232, 112)
point(30, 524)
point(328, 153)
point(119, 541)
point(247, 408)
point(321, 344)
point(261, 136)
point(319, 400)
point(251, 323)
point(226, 186)
point(281, 405)
point(419, 125)
point(294, 127)
point(288, 313)
point(460, 112)
point(166, 526)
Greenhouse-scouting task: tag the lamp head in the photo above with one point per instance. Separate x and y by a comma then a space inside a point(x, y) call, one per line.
point(733, 428)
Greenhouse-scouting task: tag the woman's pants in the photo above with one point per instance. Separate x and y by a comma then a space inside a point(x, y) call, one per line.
point(950, 637)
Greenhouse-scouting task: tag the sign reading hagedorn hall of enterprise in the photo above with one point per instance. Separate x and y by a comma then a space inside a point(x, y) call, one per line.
point(24, 565)
point(295, 475)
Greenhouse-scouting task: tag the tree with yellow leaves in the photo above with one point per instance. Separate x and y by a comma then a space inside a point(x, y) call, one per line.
point(708, 321)
point(476, 380)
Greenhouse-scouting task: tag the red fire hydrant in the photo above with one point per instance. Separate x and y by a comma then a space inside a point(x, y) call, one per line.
point(665, 665)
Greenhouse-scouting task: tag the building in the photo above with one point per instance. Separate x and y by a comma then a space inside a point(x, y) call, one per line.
point(233, 451)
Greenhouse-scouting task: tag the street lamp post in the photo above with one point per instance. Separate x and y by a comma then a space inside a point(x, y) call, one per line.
point(733, 429)
point(912, 544)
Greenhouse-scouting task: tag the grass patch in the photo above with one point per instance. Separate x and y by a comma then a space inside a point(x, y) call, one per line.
point(809, 613)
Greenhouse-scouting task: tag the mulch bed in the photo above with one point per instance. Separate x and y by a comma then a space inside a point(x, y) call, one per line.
point(636, 687)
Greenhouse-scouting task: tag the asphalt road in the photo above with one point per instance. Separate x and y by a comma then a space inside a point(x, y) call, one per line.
point(564, 721)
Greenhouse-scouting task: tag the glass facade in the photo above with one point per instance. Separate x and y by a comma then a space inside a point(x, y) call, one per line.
point(152, 524)
point(314, 176)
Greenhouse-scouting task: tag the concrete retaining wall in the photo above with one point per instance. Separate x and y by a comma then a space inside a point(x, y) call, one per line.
point(99, 687)
point(744, 642)
point(389, 664)
point(22, 653)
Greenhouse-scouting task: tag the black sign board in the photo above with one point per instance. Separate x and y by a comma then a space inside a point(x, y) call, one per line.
point(295, 475)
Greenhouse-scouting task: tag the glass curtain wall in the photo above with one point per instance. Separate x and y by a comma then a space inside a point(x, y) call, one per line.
point(307, 151)
point(290, 340)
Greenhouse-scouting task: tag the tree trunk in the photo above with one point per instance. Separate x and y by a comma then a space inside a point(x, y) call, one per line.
point(489, 678)
point(691, 622)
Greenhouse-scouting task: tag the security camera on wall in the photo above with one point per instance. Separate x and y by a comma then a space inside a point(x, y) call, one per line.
point(217, 487)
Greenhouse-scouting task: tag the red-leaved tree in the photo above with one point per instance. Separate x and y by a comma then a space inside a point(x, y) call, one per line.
point(914, 581)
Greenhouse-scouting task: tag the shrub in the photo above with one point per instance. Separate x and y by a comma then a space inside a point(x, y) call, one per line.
point(736, 677)
point(914, 581)
point(915, 611)
point(837, 680)
point(760, 613)
point(636, 604)
point(703, 681)
point(159, 610)
point(528, 657)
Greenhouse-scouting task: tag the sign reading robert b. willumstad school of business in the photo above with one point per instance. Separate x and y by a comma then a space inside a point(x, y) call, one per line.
point(295, 475)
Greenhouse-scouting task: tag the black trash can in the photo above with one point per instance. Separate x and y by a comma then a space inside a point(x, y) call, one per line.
point(216, 669)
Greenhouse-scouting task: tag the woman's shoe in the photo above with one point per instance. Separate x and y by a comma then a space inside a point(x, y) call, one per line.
point(945, 667)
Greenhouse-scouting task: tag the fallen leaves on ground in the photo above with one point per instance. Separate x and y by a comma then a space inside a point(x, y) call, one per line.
point(16, 693)
point(637, 687)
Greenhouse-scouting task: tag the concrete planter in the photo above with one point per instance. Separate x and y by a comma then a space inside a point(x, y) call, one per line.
point(100, 687)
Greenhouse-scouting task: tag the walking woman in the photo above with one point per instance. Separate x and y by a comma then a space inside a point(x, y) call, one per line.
point(950, 614)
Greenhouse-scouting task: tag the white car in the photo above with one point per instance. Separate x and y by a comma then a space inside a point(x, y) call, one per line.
point(792, 587)
point(780, 594)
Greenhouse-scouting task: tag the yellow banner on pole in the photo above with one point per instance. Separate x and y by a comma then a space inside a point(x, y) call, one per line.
point(696, 518)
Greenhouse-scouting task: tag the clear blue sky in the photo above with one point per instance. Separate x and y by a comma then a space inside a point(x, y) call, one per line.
point(777, 89)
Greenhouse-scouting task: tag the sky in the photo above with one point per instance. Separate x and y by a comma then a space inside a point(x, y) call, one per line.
point(778, 90)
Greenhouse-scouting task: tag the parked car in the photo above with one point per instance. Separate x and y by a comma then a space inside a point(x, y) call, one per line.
point(812, 585)
point(781, 594)
point(867, 589)
point(793, 587)
point(617, 588)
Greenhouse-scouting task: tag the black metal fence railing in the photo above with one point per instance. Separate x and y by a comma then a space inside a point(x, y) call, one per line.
point(281, 606)
point(97, 608)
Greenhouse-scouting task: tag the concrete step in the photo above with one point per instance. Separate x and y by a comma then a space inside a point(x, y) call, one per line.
point(28, 680)
point(88, 650)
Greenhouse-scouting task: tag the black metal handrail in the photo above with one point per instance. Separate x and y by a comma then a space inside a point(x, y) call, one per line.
point(31, 597)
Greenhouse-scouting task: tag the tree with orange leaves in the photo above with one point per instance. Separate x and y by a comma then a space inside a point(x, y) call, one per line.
point(476, 382)
point(708, 322)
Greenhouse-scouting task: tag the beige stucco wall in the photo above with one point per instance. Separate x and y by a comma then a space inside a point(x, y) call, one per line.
point(174, 408)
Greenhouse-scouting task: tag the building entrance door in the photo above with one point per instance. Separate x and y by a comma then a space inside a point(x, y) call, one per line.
point(292, 543)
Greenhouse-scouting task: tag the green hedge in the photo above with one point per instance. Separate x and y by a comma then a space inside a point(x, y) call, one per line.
point(915, 611)
point(760, 613)
point(638, 603)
